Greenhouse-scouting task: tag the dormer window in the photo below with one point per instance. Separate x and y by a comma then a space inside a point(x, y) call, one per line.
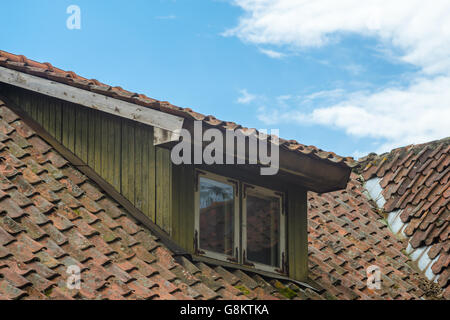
point(240, 223)
point(217, 217)
point(263, 228)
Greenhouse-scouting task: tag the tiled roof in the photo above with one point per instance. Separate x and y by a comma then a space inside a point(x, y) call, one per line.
point(346, 236)
point(415, 182)
point(52, 216)
point(46, 70)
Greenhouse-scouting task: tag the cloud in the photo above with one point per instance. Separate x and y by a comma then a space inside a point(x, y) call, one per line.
point(420, 29)
point(169, 17)
point(354, 69)
point(246, 97)
point(272, 54)
point(411, 31)
point(400, 116)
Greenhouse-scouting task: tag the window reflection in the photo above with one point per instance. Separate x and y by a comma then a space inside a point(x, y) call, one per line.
point(263, 229)
point(216, 216)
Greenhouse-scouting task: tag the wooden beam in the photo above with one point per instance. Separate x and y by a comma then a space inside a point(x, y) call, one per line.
point(161, 136)
point(92, 100)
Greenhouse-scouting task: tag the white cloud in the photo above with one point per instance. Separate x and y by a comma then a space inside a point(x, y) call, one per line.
point(169, 17)
point(419, 33)
point(421, 29)
point(272, 54)
point(246, 97)
point(400, 116)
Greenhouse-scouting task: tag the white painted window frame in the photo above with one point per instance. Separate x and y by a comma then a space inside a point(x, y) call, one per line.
point(256, 190)
point(235, 184)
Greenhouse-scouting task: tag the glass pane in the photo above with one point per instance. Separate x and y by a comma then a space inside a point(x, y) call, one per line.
point(216, 216)
point(263, 230)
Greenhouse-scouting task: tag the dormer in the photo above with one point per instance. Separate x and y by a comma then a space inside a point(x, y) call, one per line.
point(224, 214)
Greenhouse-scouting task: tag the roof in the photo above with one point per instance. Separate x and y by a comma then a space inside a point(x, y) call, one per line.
point(347, 235)
point(53, 216)
point(414, 189)
point(47, 71)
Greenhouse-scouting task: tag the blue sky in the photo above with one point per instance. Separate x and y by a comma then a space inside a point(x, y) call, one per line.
point(347, 84)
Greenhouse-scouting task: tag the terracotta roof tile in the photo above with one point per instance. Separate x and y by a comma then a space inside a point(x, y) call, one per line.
point(346, 236)
point(421, 190)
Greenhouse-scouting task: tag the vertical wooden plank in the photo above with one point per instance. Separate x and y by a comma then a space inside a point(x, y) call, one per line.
point(176, 188)
point(297, 233)
point(39, 111)
point(85, 148)
point(189, 207)
point(65, 125)
point(131, 161)
point(117, 152)
point(52, 117)
point(145, 145)
point(138, 145)
point(104, 147)
point(46, 117)
point(91, 138)
point(110, 148)
point(34, 109)
point(98, 142)
point(125, 157)
point(71, 127)
point(58, 121)
point(181, 171)
point(152, 177)
point(291, 224)
point(167, 192)
point(159, 186)
point(302, 239)
point(77, 132)
point(82, 129)
point(182, 217)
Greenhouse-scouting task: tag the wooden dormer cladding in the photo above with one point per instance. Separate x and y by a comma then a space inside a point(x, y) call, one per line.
point(118, 149)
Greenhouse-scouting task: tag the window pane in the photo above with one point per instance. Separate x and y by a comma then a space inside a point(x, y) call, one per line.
point(263, 230)
point(216, 216)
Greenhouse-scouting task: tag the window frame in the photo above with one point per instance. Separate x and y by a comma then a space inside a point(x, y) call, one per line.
point(235, 184)
point(269, 193)
point(240, 223)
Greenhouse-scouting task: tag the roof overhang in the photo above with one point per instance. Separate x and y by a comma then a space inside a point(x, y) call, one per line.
point(313, 174)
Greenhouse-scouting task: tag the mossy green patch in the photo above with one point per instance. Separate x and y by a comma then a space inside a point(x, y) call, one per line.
point(288, 292)
point(283, 290)
point(48, 291)
point(243, 289)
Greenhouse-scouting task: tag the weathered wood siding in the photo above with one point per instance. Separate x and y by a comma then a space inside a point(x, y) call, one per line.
point(120, 150)
point(297, 230)
point(183, 214)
